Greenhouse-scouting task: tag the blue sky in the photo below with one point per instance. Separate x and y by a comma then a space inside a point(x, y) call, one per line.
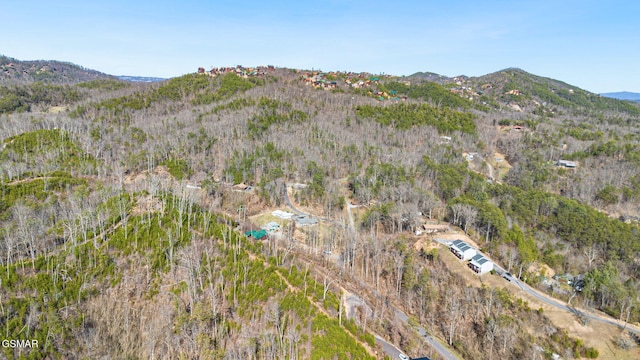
point(591, 44)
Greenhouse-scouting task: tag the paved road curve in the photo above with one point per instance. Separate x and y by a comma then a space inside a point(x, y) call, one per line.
point(388, 348)
point(435, 344)
point(560, 305)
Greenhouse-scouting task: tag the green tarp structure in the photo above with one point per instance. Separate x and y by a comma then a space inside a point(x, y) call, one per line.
point(256, 234)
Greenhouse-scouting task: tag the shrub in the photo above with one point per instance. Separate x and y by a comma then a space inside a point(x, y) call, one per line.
point(591, 353)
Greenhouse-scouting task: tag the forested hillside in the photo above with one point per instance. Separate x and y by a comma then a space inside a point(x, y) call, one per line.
point(130, 212)
point(46, 71)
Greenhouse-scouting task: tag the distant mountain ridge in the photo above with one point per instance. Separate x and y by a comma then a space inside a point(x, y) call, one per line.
point(429, 76)
point(623, 95)
point(47, 71)
point(53, 71)
point(146, 79)
point(513, 86)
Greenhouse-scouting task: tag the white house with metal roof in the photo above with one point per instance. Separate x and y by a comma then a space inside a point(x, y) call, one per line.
point(480, 264)
point(462, 250)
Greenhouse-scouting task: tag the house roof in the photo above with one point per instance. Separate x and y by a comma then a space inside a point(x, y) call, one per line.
point(461, 246)
point(479, 259)
point(306, 220)
point(256, 234)
point(566, 163)
point(270, 226)
point(282, 214)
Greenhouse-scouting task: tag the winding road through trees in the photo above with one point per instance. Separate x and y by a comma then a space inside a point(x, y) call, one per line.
point(389, 349)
